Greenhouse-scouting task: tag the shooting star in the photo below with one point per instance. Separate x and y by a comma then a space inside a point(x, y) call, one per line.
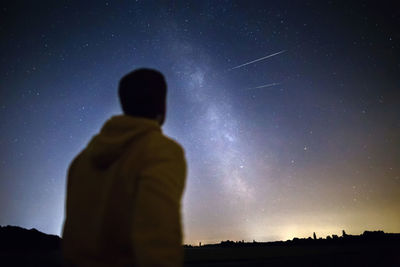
point(263, 86)
point(259, 59)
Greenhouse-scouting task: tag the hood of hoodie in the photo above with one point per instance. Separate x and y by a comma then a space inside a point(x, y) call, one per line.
point(115, 136)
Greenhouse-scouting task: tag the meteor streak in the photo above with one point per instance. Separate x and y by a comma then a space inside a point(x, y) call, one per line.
point(265, 85)
point(259, 59)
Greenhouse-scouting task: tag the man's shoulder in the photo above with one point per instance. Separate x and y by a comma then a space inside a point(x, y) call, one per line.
point(159, 141)
point(166, 153)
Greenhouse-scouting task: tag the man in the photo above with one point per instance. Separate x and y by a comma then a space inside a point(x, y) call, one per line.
point(124, 189)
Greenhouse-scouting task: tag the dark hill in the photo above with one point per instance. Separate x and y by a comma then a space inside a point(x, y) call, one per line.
point(17, 238)
point(22, 247)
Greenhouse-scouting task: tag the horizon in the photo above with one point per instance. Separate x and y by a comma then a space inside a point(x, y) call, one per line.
point(288, 112)
point(201, 244)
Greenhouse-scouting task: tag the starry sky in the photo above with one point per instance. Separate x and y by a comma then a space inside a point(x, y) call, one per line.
point(305, 140)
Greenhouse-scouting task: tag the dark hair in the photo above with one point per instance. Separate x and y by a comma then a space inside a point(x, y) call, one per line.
point(143, 93)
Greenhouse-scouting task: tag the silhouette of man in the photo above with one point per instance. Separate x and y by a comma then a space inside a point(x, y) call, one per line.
point(124, 189)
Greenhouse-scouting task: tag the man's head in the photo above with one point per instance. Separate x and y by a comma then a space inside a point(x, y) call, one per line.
point(143, 93)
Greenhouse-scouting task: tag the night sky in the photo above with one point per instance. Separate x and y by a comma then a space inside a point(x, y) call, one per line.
point(305, 140)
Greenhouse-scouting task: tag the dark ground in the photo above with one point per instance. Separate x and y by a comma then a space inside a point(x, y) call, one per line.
point(22, 247)
point(254, 256)
point(298, 255)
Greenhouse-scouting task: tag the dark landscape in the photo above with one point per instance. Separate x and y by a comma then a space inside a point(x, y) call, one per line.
point(22, 247)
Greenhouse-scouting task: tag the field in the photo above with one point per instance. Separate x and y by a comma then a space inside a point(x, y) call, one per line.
point(329, 255)
point(343, 255)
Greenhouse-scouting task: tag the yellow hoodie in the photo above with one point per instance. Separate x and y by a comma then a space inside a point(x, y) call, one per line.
point(124, 196)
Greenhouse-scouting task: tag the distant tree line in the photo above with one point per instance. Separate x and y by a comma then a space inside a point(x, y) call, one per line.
point(368, 237)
